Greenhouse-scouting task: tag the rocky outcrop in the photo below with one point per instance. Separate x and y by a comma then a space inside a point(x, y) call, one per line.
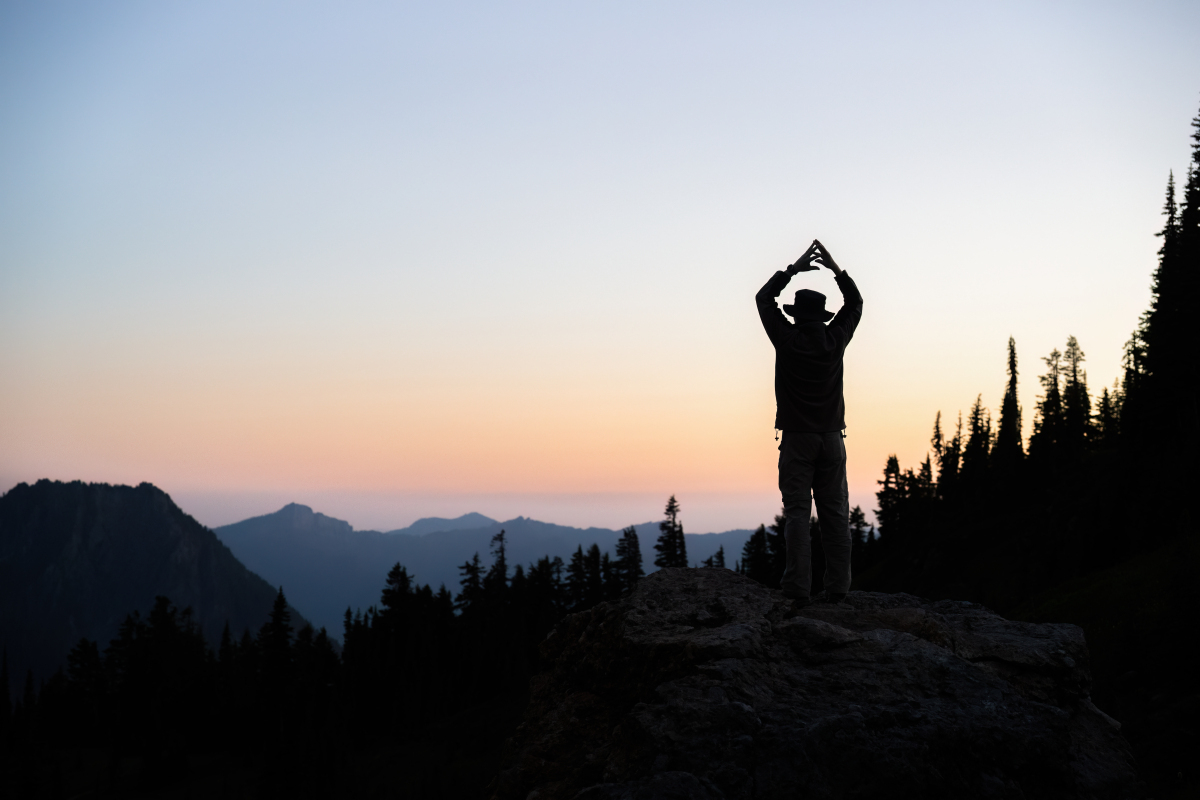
point(706, 684)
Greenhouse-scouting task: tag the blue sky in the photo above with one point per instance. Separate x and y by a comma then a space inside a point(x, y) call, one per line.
point(408, 259)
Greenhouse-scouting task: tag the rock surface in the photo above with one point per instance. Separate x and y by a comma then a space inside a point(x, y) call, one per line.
point(706, 684)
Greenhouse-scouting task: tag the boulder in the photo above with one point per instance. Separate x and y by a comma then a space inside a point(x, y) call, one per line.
point(706, 684)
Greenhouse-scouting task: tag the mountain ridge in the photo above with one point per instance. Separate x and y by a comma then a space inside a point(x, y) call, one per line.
point(76, 558)
point(327, 568)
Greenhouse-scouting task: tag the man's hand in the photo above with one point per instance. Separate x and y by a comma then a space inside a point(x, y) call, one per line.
point(824, 259)
point(804, 262)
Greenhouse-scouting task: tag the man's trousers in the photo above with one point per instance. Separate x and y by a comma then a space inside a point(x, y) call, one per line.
point(814, 465)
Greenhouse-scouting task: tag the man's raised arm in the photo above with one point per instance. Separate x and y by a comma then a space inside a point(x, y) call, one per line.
point(852, 300)
point(772, 318)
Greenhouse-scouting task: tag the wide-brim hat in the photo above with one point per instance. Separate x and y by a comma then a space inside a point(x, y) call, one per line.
point(809, 305)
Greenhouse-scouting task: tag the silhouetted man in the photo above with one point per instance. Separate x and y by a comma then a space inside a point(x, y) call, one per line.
point(810, 410)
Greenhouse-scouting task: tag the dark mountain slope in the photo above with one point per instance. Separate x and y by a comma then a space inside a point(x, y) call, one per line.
point(75, 558)
point(326, 566)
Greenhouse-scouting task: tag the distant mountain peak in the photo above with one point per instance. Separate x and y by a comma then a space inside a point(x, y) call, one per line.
point(466, 522)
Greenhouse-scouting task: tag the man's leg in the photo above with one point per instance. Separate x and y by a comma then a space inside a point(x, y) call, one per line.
point(833, 510)
point(797, 460)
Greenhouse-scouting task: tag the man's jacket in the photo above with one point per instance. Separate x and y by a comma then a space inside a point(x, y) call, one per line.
point(808, 359)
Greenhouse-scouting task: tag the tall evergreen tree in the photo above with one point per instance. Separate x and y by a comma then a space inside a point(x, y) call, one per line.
point(777, 547)
point(470, 596)
point(948, 455)
point(593, 592)
point(671, 546)
point(577, 578)
point(275, 642)
point(1048, 424)
point(495, 582)
point(890, 499)
point(858, 531)
point(1008, 451)
point(1171, 337)
point(1107, 423)
point(756, 557)
point(977, 448)
point(716, 560)
point(397, 589)
point(628, 564)
point(610, 577)
point(1076, 402)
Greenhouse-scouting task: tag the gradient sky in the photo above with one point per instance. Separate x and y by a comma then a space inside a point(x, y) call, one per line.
point(406, 259)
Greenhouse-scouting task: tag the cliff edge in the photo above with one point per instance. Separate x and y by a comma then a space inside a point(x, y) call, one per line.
point(706, 684)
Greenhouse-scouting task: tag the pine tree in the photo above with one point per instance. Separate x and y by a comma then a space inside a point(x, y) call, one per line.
point(858, 532)
point(1077, 403)
point(577, 579)
point(948, 454)
point(890, 499)
point(613, 585)
point(1133, 418)
point(1008, 452)
point(593, 592)
point(977, 449)
point(275, 642)
point(628, 564)
point(1107, 423)
point(1045, 444)
point(716, 560)
point(777, 548)
point(470, 596)
point(756, 557)
point(1170, 406)
point(671, 546)
point(397, 589)
point(495, 582)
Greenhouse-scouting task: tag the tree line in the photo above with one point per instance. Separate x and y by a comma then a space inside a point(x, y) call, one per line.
point(1126, 450)
point(294, 706)
point(1087, 520)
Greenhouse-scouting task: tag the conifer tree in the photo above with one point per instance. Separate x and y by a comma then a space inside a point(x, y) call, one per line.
point(577, 578)
point(593, 592)
point(671, 546)
point(1107, 423)
point(275, 640)
point(628, 564)
point(1133, 414)
point(495, 582)
point(1076, 402)
point(777, 548)
point(1048, 426)
point(1008, 452)
point(610, 577)
point(1170, 406)
point(948, 455)
point(977, 448)
point(396, 590)
point(890, 499)
point(716, 560)
point(858, 532)
point(471, 594)
point(756, 557)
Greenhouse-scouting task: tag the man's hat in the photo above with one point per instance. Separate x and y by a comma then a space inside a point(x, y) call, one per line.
point(809, 305)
